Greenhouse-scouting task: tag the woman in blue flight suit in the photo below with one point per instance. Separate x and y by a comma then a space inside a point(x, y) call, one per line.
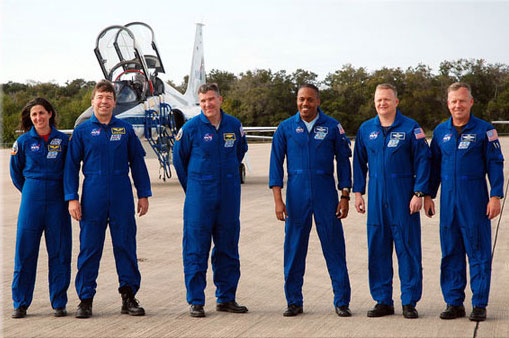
point(37, 166)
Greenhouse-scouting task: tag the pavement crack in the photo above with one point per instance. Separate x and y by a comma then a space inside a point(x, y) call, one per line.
point(476, 329)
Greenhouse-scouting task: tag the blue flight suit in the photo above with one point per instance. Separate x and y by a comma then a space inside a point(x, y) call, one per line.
point(460, 163)
point(399, 165)
point(107, 152)
point(207, 162)
point(311, 191)
point(37, 169)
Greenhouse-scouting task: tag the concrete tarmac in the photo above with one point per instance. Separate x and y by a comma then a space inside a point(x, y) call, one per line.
point(163, 293)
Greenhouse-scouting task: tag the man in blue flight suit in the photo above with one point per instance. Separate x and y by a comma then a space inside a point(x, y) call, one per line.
point(464, 149)
point(395, 150)
point(108, 147)
point(310, 140)
point(207, 155)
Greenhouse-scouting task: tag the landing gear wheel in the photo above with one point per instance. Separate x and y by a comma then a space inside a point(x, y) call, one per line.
point(242, 172)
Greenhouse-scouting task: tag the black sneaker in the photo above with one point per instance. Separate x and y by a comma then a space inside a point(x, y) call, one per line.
point(343, 311)
point(20, 312)
point(453, 312)
point(293, 310)
point(410, 312)
point(196, 310)
point(478, 314)
point(231, 307)
point(60, 312)
point(381, 310)
point(84, 309)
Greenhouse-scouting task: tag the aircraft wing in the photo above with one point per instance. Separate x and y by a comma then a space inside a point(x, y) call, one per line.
point(249, 130)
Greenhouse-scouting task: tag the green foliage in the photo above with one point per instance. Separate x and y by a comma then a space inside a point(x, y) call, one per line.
point(263, 97)
point(69, 101)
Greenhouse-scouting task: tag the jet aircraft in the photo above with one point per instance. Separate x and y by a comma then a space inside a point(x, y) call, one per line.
point(129, 57)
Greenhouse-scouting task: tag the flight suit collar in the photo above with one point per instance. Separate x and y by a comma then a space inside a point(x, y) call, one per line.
point(397, 120)
point(94, 119)
point(297, 118)
point(205, 120)
point(470, 125)
point(52, 134)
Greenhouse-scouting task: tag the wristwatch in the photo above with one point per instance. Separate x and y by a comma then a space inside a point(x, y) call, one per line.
point(419, 194)
point(346, 190)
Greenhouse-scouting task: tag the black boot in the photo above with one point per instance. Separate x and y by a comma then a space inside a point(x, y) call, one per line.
point(231, 307)
point(293, 310)
point(130, 305)
point(478, 314)
point(196, 310)
point(84, 308)
point(20, 312)
point(453, 312)
point(381, 310)
point(60, 312)
point(410, 312)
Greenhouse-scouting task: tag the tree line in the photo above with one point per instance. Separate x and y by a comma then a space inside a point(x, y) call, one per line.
point(263, 97)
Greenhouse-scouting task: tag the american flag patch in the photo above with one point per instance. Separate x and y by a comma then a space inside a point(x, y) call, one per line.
point(419, 133)
point(340, 128)
point(492, 135)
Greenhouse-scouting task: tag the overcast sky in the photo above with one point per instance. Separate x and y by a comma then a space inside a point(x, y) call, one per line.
point(53, 40)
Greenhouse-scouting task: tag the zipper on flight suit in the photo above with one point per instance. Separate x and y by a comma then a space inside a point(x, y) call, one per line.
point(109, 172)
point(385, 188)
point(309, 164)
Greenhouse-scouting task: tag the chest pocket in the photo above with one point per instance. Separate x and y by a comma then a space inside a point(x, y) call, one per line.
point(36, 154)
point(466, 147)
point(397, 140)
point(448, 144)
point(322, 137)
point(229, 141)
point(117, 138)
point(298, 138)
point(206, 144)
point(375, 142)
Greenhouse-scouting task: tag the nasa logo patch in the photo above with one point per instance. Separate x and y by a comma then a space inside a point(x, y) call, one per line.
point(35, 147)
point(208, 137)
point(374, 135)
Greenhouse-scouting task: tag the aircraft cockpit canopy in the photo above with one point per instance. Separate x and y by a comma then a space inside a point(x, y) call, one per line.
point(129, 57)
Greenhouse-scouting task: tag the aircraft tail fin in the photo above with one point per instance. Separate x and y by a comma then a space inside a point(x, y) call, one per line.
point(197, 74)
